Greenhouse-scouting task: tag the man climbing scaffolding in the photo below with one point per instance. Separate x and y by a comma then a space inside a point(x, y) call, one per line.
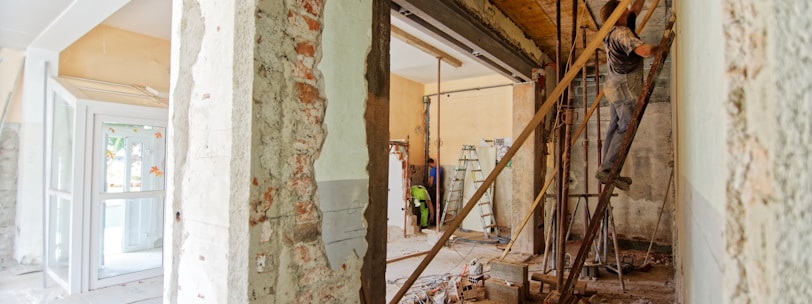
point(625, 52)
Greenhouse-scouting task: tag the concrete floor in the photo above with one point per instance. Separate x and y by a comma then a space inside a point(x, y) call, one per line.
point(656, 286)
point(23, 285)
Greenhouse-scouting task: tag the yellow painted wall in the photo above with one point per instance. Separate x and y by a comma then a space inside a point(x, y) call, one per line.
point(406, 115)
point(115, 55)
point(406, 118)
point(467, 118)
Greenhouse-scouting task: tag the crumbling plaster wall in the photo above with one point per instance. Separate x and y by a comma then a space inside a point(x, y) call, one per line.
point(248, 123)
point(789, 50)
point(768, 224)
point(743, 151)
point(10, 68)
point(340, 169)
point(9, 153)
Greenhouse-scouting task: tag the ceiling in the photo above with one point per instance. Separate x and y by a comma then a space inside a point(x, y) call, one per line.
point(148, 17)
point(537, 18)
point(416, 65)
point(21, 21)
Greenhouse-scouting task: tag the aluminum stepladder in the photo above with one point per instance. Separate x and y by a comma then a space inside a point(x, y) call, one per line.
point(454, 197)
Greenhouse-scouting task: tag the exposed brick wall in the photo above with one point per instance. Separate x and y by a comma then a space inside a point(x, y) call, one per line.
point(288, 133)
point(9, 151)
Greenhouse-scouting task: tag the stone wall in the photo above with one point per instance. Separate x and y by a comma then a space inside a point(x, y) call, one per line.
point(9, 151)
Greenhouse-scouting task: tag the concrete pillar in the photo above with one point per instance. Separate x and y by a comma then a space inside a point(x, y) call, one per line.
point(524, 173)
point(260, 91)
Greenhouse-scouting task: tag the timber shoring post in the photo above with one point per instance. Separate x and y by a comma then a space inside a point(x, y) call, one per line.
point(556, 220)
point(593, 45)
point(586, 137)
point(437, 168)
point(603, 202)
point(599, 95)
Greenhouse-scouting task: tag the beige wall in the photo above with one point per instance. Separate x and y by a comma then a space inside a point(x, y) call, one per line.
point(112, 54)
point(700, 150)
point(407, 119)
point(467, 118)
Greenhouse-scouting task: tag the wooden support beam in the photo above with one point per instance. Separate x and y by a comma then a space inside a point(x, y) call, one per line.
point(531, 126)
point(425, 47)
point(447, 21)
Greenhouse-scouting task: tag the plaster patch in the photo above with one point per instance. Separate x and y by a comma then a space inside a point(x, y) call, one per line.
point(267, 232)
point(260, 261)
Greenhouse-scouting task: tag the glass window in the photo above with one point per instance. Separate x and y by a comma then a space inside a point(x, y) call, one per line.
point(132, 236)
point(135, 157)
point(59, 236)
point(62, 146)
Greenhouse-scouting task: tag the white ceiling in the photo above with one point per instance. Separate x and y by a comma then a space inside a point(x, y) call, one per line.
point(416, 65)
point(148, 17)
point(22, 20)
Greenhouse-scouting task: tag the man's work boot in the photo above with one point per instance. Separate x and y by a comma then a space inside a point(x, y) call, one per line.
point(620, 182)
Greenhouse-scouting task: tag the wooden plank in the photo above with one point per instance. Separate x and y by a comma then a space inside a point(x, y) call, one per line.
point(519, 141)
point(425, 47)
point(408, 256)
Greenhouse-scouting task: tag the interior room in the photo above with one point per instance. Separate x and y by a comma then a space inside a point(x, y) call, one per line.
point(404, 151)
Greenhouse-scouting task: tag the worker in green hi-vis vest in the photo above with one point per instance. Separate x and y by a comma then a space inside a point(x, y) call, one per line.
point(421, 196)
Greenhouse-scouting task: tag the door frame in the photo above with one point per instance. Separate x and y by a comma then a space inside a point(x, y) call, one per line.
point(101, 113)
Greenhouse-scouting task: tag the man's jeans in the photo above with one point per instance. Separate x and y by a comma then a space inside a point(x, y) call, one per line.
point(620, 113)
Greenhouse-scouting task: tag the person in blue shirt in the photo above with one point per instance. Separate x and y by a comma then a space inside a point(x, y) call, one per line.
point(432, 183)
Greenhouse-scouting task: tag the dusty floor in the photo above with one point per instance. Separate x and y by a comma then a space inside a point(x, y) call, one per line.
point(24, 285)
point(653, 287)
